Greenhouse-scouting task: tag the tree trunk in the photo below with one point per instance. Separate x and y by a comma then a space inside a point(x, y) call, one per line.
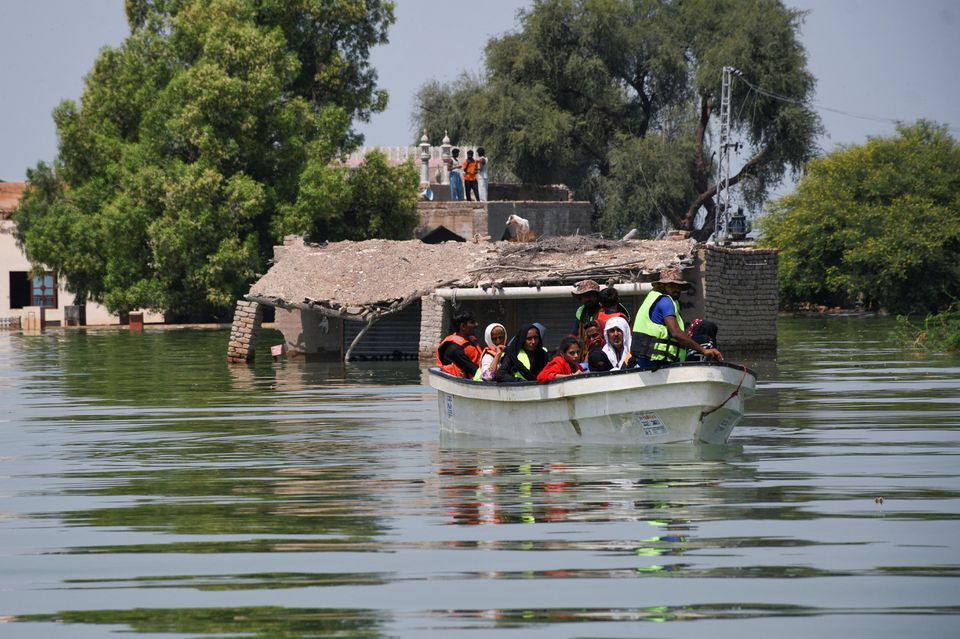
point(705, 199)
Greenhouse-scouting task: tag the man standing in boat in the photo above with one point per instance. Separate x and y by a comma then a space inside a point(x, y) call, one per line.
point(459, 352)
point(588, 293)
point(658, 335)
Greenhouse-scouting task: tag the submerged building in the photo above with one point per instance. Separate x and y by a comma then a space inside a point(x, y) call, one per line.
point(35, 300)
point(382, 299)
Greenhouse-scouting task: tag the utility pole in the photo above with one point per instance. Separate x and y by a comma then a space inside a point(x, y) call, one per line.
point(723, 206)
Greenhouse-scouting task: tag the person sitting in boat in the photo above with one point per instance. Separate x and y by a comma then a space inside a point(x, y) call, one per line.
point(704, 333)
point(593, 339)
point(459, 352)
point(588, 293)
point(543, 336)
point(598, 362)
point(565, 363)
point(616, 334)
point(658, 335)
point(524, 357)
point(610, 306)
point(495, 338)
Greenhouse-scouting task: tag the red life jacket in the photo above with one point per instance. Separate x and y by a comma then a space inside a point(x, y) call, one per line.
point(470, 347)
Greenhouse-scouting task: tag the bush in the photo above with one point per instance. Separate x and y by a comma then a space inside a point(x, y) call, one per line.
point(940, 331)
point(878, 223)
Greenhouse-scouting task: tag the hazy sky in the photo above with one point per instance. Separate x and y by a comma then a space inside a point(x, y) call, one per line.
point(887, 59)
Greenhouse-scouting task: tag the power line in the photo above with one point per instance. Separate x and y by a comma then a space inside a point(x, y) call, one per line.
point(817, 106)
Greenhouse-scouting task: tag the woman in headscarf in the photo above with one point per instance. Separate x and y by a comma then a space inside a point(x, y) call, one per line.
point(494, 339)
point(524, 357)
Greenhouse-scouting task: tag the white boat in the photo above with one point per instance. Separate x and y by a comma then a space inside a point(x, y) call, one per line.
point(684, 402)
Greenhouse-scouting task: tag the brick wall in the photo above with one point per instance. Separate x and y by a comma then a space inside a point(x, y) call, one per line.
point(740, 294)
point(466, 219)
point(243, 334)
point(537, 192)
point(434, 318)
point(547, 219)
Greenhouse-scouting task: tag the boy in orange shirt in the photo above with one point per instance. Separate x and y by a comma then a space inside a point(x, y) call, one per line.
point(470, 177)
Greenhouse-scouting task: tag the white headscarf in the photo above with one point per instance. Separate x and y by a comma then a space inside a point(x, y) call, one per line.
point(617, 361)
point(488, 334)
point(487, 360)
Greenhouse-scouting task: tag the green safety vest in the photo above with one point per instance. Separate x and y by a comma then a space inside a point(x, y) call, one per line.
point(652, 341)
point(524, 359)
point(583, 319)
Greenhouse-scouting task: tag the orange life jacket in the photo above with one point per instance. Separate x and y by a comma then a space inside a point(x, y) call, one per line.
point(470, 347)
point(603, 316)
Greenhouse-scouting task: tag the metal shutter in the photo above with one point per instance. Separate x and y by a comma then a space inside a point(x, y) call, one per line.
point(396, 336)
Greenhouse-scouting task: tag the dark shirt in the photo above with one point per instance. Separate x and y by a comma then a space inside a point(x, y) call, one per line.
point(454, 353)
point(598, 361)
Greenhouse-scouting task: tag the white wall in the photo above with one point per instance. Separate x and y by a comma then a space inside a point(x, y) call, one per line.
point(13, 259)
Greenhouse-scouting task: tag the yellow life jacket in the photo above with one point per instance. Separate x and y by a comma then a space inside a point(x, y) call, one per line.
point(652, 341)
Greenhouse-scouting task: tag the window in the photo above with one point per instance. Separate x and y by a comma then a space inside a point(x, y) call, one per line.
point(19, 289)
point(43, 291)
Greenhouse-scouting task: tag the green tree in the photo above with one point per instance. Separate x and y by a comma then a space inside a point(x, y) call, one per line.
point(444, 106)
point(617, 98)
point(375, 200)
point(878, 222)
point(191, 136)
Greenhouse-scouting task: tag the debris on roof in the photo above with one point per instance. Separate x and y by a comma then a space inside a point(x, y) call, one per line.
point(369, 279)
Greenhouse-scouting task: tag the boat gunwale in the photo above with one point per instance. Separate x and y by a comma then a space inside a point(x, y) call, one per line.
point(587, 375)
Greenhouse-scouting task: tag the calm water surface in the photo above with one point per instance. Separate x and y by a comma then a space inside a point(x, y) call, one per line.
point(148, 488)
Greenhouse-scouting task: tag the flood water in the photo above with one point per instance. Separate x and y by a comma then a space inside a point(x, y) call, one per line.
point(147, 488)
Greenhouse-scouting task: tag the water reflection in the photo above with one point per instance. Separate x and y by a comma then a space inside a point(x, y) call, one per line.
point(599, 484)
point(267, 622)
point(151, 488)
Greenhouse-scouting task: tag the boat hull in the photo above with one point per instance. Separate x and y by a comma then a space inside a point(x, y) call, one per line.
point(696, 402)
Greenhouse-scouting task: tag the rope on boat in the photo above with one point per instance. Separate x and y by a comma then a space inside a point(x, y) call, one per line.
point(735, 392)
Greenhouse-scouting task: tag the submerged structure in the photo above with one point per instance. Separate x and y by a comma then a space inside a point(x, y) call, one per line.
point(382, 299)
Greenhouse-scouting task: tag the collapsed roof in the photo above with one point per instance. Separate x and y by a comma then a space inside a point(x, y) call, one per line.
point(369, 279)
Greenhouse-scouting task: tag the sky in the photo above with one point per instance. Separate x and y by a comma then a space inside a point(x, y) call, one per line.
point(882, 59)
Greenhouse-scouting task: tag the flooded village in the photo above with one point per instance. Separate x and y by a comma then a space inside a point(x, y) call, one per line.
point(553, 318)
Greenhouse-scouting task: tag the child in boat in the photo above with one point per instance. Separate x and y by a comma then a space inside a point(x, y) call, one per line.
point(593, 340)
point(565, 363)
point(598, 362)
point(610, 306)
point(704, 333)
point(593, 337)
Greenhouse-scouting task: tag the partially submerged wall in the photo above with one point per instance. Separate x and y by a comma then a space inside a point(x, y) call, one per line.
point(740, 293)
point(243, 333)
point(308, 335)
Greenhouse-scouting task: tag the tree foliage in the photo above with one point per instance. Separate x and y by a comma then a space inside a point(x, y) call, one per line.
point(375, 200)
point(211, 118)
point(445, 106)
point(879, 222)
point(617, 98)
